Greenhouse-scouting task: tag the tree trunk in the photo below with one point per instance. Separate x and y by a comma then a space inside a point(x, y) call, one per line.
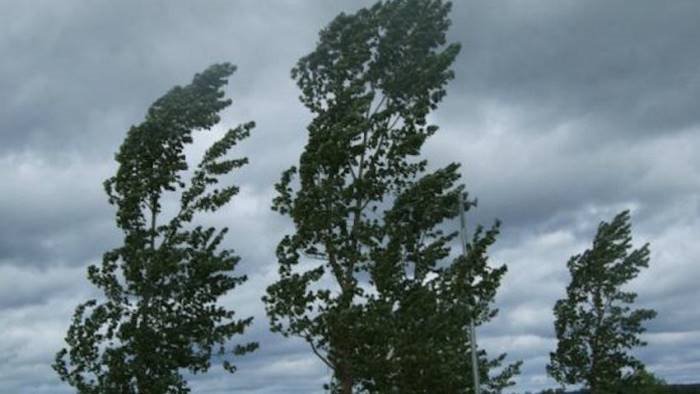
point(345, 381)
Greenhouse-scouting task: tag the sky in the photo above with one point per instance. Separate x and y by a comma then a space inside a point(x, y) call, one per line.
point(562, 113)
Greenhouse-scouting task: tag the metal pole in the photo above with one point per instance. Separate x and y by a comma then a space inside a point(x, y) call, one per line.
point(472, 331)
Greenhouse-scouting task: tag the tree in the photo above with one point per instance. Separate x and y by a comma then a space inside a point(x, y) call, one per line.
point(643, 382)
point(160, 313)
point(364, 278)
point(595, 324)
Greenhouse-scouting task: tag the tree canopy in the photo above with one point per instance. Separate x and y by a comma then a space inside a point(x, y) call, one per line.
point(595, 324)
point(367, 278)
point(159, 313)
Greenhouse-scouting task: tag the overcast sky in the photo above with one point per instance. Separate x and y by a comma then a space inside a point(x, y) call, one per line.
point(562, 113)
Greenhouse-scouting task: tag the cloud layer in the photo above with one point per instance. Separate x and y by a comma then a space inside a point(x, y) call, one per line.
point(562, 113)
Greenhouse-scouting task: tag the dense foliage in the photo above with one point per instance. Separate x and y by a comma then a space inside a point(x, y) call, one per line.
point(367, 278)
point(595, 324)
point(159, 314)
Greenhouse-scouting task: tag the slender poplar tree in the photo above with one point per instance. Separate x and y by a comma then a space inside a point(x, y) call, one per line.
point(365, 277)
point(160, 313)
point(595, 325)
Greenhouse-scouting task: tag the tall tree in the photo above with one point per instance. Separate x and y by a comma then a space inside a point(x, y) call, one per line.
point(160, 313)
point(595, 324)
point(363, 279)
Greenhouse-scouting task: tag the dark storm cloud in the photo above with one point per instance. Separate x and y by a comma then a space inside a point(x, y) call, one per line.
point(75, 75)
point(562, 114)
point(625, 70)
point(556, 104)
point(541, 181)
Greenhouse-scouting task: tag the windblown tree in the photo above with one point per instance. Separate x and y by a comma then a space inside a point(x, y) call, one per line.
point(160, 313)
point(595, 324)
point(419, 330)
point(365, 278)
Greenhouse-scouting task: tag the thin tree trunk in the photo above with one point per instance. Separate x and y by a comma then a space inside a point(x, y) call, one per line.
point(346, 381)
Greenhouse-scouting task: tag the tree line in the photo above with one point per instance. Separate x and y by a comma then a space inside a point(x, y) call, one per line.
point(368, 276)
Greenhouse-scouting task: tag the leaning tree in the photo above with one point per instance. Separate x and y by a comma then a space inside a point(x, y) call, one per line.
point(366, 278)
point(595, 324)
point(160, 313)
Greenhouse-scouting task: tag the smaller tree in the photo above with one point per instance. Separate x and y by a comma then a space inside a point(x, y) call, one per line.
point(595, 324)
point(160, 313)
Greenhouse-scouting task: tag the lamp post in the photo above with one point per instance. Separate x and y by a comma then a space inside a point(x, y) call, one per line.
point(472, 332)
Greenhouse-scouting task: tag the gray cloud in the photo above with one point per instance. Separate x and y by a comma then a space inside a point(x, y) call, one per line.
point(623, 71)
point(562, 113)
